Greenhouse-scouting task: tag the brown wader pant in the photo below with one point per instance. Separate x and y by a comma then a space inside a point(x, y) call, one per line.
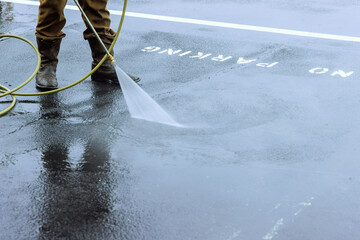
point(51, 19)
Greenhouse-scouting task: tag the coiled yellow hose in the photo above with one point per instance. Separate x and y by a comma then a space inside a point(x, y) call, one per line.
point(5, 91)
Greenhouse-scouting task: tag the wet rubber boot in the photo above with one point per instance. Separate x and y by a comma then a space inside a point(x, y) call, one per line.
point(106, 72)
point(46, 76)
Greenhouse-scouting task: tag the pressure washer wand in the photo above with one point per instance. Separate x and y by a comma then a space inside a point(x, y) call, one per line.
point(96, 34)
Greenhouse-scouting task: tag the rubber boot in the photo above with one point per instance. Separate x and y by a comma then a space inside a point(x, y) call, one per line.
point(46, 76)
point(106, 72)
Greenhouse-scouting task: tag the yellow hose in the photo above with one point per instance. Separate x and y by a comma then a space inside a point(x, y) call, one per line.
point(13, 92)
point(12, 103)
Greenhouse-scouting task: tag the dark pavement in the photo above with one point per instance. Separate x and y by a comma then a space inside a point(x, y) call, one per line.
point(270, 151)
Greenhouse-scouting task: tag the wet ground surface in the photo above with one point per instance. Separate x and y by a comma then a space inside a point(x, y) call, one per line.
point(270, 152)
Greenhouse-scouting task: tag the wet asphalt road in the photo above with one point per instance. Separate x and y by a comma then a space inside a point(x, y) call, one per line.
point(270, 152)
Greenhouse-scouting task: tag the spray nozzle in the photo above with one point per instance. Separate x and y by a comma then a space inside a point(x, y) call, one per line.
point(111, 58)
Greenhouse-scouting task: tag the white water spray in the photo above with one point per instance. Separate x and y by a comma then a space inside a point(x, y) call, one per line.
point(140, 104)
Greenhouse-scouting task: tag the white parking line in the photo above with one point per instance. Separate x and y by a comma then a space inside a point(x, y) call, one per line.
point(215, 24)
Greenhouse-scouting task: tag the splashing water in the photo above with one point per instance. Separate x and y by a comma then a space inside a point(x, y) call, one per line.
point(140, 104)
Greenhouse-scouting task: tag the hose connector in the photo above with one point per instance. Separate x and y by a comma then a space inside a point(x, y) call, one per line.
point(111, 58)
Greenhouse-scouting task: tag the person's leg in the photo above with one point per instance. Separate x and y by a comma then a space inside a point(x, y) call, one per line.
point(99, 17)
point(51, 21)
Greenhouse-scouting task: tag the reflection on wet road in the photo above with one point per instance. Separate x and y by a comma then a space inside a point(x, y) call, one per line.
point(6, 12)
point(73, 195)
point(6, 16)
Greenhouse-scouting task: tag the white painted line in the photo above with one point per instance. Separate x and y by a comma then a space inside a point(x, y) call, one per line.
point(215, 24)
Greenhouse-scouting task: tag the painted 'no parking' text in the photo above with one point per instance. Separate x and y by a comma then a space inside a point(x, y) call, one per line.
point(240, 60)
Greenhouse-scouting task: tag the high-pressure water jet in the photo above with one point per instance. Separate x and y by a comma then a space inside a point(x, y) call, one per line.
point(140, 104)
